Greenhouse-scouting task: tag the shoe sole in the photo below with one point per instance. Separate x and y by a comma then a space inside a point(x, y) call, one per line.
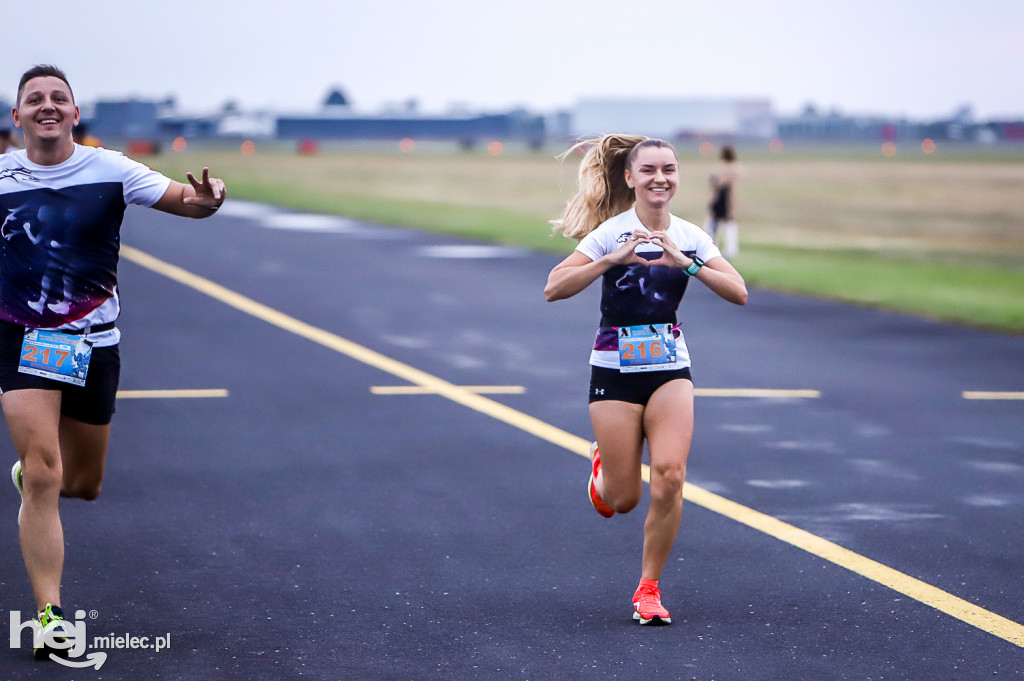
point(44, 653)
point(656, 620)
point(16, 476)
point(603, 509)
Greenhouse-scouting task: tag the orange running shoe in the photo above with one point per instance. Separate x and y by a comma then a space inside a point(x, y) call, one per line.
point(647, 607)
point(595, 500)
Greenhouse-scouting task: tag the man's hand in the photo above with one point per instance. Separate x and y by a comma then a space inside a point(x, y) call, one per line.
point(210, 192)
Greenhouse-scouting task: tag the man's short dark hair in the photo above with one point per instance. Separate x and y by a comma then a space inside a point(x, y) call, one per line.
point(41, 71)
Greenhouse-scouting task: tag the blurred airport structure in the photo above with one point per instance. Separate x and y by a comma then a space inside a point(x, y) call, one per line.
point(672, 119)
point(722, 119)
point(811, 125)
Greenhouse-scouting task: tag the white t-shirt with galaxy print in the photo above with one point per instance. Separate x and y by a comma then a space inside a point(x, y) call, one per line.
point(61, 234)
point(637, 294)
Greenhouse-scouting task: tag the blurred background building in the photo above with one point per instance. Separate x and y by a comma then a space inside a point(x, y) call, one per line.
point(157, 123)
point(672, 119)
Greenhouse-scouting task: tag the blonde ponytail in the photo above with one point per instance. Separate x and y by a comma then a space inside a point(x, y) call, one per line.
point(603, 192)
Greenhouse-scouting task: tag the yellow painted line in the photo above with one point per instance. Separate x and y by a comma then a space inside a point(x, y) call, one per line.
point(421, 390)
point(169, 394)
point(972, 395)
point(946, 602)
point(954, 606)
point(372, 358)
point(753, 392)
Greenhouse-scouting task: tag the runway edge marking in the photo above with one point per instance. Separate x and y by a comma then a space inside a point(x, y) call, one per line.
point(923, 592)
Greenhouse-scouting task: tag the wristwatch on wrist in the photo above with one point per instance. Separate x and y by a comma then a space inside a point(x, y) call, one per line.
point(694, 266)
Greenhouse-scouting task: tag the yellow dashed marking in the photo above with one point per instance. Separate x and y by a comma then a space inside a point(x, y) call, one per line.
point(969, 395)
point(169, 394)
point(421, 390)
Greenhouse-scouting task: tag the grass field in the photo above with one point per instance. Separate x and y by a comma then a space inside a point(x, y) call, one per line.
point(939, 235)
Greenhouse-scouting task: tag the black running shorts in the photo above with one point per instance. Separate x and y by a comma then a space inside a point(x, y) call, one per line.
point(636, 388)
point(92, 403)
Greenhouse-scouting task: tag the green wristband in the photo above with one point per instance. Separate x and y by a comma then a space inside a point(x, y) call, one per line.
point(694, 266)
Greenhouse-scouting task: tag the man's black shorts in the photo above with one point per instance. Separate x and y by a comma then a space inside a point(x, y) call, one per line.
point(92, 403)
point(637, 388)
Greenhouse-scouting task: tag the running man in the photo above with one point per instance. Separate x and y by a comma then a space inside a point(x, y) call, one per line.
point(61, 206)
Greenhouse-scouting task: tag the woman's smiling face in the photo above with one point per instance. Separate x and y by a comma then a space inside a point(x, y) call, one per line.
point(654, 175)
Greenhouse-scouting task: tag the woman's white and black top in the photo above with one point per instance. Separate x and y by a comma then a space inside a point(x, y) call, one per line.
point(61, 233)
point(637, 294)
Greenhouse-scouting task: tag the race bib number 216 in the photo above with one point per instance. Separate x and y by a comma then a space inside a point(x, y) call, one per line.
point(650, 347)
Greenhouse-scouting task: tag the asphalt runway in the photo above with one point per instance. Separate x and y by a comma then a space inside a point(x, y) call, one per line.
point(386, 481)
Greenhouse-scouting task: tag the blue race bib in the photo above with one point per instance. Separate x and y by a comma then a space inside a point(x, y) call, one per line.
point(649, 347)
point(58, 356)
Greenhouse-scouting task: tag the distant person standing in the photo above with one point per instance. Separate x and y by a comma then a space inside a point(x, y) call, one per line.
point(6, 141)
point(721, 222)
point(63, 204)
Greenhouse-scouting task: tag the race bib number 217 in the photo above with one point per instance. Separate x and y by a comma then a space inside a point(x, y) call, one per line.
point(55, 355)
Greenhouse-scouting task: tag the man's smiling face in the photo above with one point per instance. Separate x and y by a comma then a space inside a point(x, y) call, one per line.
point(46, 110)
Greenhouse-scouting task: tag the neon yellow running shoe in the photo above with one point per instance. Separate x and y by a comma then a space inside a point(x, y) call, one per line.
point(51, 620)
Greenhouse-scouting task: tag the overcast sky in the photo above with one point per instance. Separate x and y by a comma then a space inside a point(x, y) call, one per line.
point(917, 58)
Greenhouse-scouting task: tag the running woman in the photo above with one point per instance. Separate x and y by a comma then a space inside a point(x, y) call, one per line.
point(640, 386)
point(61, 206)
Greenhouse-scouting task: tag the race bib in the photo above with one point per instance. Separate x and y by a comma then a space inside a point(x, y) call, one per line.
point(55, 355)
point(649, 347)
